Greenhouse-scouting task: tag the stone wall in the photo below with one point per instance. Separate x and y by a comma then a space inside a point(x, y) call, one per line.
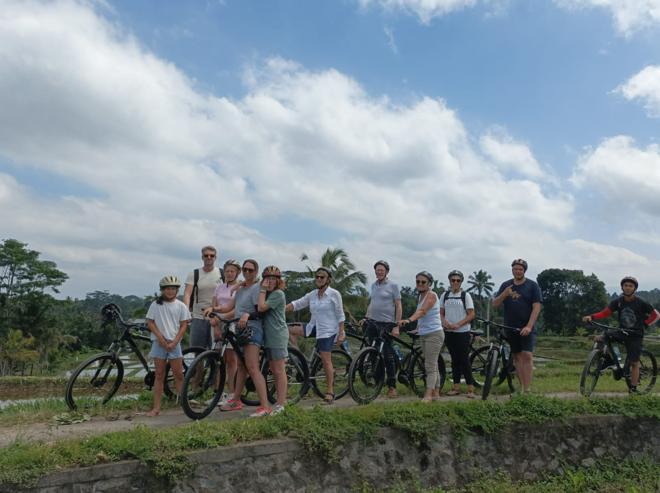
point(449, 459)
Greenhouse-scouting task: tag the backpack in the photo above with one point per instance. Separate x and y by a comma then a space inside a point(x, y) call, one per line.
point(446, 295)
point(194, 296)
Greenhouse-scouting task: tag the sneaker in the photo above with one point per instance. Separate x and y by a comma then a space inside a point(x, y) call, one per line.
point(225, 399)
point(391, 393)
point(232, 405)
point(261, 412)
point(277, 409)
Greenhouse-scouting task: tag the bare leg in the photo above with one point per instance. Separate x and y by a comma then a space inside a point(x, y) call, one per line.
point(252, 363)
point(159, 381)
point(279, 372)
point(231, 363)
point(524, 362)
point(326, 359)
point(634, 373)
point(295, 331)
point(177, 372)
point(241, 376)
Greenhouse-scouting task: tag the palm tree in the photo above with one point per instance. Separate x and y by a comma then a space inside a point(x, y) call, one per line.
point(480, 283)
point(345, 279)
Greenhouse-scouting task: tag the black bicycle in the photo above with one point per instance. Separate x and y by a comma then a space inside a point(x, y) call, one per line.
point(98, 379)
point(317, 382)
point(499, 366)
point(605, 356)
point(205, 379)
point(367, 372)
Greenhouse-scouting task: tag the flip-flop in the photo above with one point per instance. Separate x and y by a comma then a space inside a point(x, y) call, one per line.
point(329, 398)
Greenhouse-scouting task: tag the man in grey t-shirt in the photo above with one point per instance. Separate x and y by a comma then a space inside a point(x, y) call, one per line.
point(201, 296)
point(384, 312)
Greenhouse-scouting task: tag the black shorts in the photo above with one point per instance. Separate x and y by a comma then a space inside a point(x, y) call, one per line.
point(633, 343)
point(520, 343)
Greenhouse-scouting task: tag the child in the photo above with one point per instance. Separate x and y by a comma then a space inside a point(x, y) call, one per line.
point(167, 320)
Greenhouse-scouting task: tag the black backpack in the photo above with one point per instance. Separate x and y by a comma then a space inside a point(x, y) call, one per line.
point(446, 295)
point(194, 296)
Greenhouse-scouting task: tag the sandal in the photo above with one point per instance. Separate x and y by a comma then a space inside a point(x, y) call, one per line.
point(329, 398)
point(469, 395)
point(454, 392)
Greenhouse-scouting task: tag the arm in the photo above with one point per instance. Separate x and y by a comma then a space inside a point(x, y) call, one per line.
point(606, 312)
point(536, 309)
point(262, 306)
point(443, 320)
point(154, 330)
point(653, 318)
point(499, 299)
point(299, 304)
point(339, 312)
point(187, 293)
point(398, 311)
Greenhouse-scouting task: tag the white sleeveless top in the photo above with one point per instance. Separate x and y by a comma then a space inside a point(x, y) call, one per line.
point(430, 322)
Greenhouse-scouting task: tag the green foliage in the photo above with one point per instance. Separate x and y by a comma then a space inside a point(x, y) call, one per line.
point(321, 431)
point(567, 296)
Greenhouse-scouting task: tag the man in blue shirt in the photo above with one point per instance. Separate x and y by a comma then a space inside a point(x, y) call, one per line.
point(521, 298)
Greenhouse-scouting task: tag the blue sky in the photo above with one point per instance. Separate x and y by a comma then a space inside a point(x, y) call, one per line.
point(440, 135)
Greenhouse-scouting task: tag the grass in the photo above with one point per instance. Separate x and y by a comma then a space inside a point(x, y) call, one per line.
point(319, 430)
point(631, 476)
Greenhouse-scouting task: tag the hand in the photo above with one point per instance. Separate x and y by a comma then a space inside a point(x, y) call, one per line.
point(207, 311)
point(525, 331)
point(395, 331)
point(508, 292)
point(264, 283)
point(242, 323)
point(586, 318)
point(341, 337)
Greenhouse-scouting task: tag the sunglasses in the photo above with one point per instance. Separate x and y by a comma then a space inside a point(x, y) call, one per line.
point(247, 269)
point(455, 280)
point(321, 277)
point(417, 281)
point(209, 255)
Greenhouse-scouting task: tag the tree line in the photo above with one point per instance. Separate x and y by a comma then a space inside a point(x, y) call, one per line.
point(38, 329)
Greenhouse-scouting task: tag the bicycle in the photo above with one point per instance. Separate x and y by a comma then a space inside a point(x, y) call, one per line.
point(605, 356)
point(499, 352)
point(204, 383)
point(367, 372)
point(477, 359)
point(341, 362)
point(97, 379)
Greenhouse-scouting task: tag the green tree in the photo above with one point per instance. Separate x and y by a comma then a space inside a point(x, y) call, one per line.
point(16, 351)
point(24, 301)
point(481, 285)
point(567, 296)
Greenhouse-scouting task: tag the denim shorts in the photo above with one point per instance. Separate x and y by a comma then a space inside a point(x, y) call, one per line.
point(326, 344)
point(274, 354)
point(159, 352)
point(257, 337)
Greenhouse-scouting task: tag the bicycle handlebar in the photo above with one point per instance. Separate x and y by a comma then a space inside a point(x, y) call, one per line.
point(501, 326)
point(608, 327)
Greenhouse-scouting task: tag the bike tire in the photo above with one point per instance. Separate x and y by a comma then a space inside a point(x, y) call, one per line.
point(648, 373)
point(478, 365)
point(85, 391)
point(203, 384)
point(492, 363)
point(366, 375)
point(591, 372)
point(189, 354)
point(297, 378)
point(341, 364)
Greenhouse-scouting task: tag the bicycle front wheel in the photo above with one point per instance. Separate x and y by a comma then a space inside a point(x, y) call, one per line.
point(341, 365)
point(648, 372)
point(478, 365)
point(94, 382)
point(203, 385)
point(492, 363)
point(591, 372)
point(366, 375)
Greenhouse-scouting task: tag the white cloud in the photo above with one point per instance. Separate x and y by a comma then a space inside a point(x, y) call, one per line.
point(644, 87)
point(629, 15)
point(167, 168)
point(509, 155)
point(628, 176)
point(426, 10)
point(391, 42)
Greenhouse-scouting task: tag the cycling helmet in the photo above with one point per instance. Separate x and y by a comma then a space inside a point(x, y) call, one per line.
point(426, 274)
point(170, 281)
point(233, 263)
point(324, 269)
point(520, 262)
point(457, 273)
point(630, 279)
point(271, 271)
point(384, 264)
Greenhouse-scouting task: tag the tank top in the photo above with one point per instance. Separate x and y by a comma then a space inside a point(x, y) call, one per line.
point(224, 293)
point(430, 322)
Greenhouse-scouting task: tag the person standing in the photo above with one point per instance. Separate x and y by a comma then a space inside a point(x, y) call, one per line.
point(521, 298)
point(198, 296)
point(429, 328)
point(384, 313)
point(456, 312)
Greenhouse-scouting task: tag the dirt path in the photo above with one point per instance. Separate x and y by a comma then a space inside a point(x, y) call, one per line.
point(49, 432)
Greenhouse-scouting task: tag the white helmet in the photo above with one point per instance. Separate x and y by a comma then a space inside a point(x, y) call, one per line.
point(170, 281)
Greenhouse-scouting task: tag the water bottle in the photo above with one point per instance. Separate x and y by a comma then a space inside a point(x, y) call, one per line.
point(397, 351)
point(506, 351)
point(617, 353)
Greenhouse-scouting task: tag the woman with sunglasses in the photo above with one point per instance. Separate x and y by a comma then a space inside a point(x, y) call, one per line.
point(327, 322)
point(456, 313)
point(250, 332)
point(430, 332)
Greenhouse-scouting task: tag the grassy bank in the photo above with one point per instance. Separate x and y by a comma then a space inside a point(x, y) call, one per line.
point(319, 431)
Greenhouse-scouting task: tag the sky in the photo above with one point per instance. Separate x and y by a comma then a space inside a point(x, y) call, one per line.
point(435, 134)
